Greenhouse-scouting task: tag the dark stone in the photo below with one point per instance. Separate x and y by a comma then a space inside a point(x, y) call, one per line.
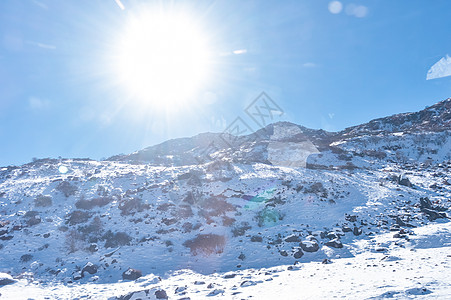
point(292, 239)
point(309, 246)
point(346, 229)
point(433, 215)
point(4, 280)
point(77, 275)
point(298, 254)
point(332, 235)
point(335, 243)
point(403, 180)
point(357, 231)
point(256, 238)
point(33, 221)
point(90, 268)
point(26, 258)
point(161, 294)
point(351, 218)
point(131, 274)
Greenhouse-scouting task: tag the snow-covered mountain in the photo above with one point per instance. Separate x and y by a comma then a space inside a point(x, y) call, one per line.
point(171, 218)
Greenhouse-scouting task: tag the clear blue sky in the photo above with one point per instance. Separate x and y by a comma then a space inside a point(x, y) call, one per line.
point(327, 66)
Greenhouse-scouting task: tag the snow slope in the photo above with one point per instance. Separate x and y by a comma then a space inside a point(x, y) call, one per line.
point(254, 217)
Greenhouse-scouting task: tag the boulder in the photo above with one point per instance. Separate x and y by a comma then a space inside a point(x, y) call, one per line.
point(335, 243)
point(298, 254)
point(256, 238)
point(357, 231)
point(131, 274)
point(309, 246)
point(403, 180)
point(346, 229)
point(332, 235)
point(292, 239)
point(433, 214)
point(6, 279)
point(90, 268)
point(77, 275)
point(161, 294)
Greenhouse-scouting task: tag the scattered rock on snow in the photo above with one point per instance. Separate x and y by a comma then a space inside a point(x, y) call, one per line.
point(161, 294)
point(77, 275)
point(90, 268)
point(335, 243)
point(6, 279)
point(131, 274)
point(309, 246)
point(298, 254)
point(403, 180)
point(292, 239)
point(357, 231)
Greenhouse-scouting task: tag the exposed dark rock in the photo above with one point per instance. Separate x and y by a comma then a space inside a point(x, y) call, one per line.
point(283, 253)
point(292, 239)
point(90, 268)
point(335, 243)
point(351, 218)
point(332, 235)
point(346, 229)
point(35, 220)
point(161, 294)
point(43, 201)
point(298, 254)
point(6, 279)
point(93, 248)
point(206, 244)
point(77, 275)
point(26, 258)
point(256, 238)
point(77, 217)
point(357, 231)
point(309, 246)
point(403, 180)
point(66, 188)
point(131, 274)
point(113, 240)
point(433, 214)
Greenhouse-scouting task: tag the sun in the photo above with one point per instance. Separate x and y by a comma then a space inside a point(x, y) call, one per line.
point(161, 59)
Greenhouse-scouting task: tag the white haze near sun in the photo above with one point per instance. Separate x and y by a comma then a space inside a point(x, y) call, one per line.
point(161, 60)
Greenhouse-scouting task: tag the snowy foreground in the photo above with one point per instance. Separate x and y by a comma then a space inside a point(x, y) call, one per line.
point(421, 267)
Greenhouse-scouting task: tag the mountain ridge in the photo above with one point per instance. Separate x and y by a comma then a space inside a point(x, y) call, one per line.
point(188, 150)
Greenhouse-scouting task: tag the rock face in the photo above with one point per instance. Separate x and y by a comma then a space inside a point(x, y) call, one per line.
point(131, 274)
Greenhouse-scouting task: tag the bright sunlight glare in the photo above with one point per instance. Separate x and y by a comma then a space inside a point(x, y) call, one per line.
point(161, 59)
